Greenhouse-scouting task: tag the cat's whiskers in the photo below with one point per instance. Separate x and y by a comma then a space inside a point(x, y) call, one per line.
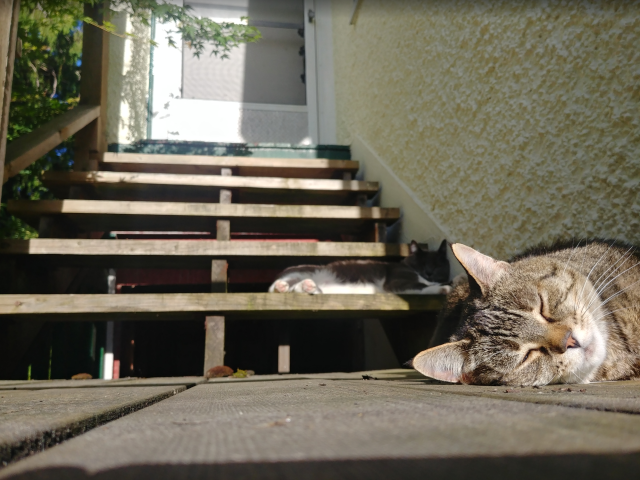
point(573, 250)
point(624, 258)
point(599, 290)
point(594, 266)
point(614, 278)
point(618, 293)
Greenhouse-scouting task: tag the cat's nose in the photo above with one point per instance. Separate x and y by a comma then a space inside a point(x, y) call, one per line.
point(571, 342)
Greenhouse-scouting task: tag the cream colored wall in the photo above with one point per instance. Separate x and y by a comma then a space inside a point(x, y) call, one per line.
point(511, 122)
point(128, 86)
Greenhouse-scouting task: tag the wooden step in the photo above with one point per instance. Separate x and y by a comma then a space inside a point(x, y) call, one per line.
point(180, 306)
point(104, 215)
point(181, 187)
point(190, 253)
point(244, 166)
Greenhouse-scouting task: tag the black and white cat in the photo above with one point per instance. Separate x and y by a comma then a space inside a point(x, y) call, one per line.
point(422, 272)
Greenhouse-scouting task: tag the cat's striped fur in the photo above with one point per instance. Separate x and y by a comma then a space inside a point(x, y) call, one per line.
point(568, 313)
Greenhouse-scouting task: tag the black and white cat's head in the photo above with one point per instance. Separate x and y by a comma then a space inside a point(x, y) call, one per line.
point(433, 266)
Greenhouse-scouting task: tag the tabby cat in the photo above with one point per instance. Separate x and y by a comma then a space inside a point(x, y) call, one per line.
point(422, 272)
point(562, 314)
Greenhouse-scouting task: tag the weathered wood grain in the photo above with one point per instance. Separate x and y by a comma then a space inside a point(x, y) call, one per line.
point(190, 253)
point(35, 420)
point(208, 181)
point(243, 166)
point(28, 148)
point(104, 215)
point(328, 429)
point(245, 305)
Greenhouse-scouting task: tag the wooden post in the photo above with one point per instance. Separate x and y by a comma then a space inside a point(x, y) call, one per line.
point(91, 141)
point(380, 232)
point(214, 326)
point(223, 227)
point(9, 13)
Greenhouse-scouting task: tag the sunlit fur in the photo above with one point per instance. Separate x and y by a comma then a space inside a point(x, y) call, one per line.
point(590, 290)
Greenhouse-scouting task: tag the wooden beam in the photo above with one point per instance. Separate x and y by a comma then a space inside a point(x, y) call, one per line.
point(243, 166)
point(91, 142)
point(189, 253)
point(9, 14)
point(235, 305)
point(102, 215)
point(204, 248)
point(25, 150)
point(145, 180)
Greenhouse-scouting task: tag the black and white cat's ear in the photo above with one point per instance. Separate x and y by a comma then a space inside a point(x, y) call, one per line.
point(484, 269)
point(442, 250)
point(414, 247)
point(443, 362)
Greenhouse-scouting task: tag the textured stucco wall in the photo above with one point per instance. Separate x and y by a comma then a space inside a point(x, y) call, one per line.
point(128, 86)
point(514, 122)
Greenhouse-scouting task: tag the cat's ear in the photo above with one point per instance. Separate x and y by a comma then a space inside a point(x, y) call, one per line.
point(482, 268)
point(414, 247)
point(443, 362)
point(442, 251)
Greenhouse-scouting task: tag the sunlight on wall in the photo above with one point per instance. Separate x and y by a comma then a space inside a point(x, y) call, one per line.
point(128, 82)
point(514, 122)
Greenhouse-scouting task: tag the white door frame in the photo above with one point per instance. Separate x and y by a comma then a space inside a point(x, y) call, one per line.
point(318, 41)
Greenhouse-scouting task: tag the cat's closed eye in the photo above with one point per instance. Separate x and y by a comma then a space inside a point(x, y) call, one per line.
point(543, 309)
point(531, 354)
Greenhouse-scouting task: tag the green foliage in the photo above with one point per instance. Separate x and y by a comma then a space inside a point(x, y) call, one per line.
point(45, 84)
point(46, 80)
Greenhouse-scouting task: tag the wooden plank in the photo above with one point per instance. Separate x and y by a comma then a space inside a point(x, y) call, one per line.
point(336, 429)
point(190, 253)
point(25, 150)
point(243, 166)
point(35, 420)
point(91, 142)
point(9, 14)
point(245, 305)
point(104, 215)
point(141, 182)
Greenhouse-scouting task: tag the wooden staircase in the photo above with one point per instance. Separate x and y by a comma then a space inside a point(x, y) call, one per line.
point(285, 205)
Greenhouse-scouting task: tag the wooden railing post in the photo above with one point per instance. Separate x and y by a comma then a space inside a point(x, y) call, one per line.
point(91, 141)
point(9, 13)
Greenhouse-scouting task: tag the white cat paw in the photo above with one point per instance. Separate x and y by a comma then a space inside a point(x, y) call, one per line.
point(310, 287)
point(445, 290)
point(281, 286)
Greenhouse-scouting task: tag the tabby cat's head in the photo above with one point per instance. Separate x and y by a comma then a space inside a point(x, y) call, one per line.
point(531, 322)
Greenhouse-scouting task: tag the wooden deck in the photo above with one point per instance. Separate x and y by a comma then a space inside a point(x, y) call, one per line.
point(329, 426)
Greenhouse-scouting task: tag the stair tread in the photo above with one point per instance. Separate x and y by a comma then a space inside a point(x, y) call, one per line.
point(142, 178)
point(191, 253)
point(106, 215)
point(206, 188)
point(213, 248)
point(259, 166)
point(175, 305)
